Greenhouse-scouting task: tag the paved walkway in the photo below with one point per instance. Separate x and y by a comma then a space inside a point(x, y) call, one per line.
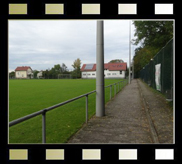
point(135, 115)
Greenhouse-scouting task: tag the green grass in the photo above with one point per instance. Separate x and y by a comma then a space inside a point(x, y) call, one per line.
point(29, 96)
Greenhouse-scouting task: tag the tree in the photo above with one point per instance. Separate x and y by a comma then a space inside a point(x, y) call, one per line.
point(57, 68)
point(77, 68)
point(45, 74)
point(64, 69)
point(142, 57)
point(76, 64)
point(55, 71)
point(35, 72)
point(12, 75)
point(116, 61)
point(153, 35)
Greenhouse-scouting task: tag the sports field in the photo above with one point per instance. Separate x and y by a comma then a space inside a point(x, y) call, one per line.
point(29, 96)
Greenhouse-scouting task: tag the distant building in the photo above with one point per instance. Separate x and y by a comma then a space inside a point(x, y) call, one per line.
point(39, 75)
point(23, 72)
point(111, 70)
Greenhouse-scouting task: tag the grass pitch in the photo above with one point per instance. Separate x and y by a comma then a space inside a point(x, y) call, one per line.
point(29, 96)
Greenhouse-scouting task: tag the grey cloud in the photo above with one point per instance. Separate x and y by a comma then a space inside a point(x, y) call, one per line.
point(42, 44)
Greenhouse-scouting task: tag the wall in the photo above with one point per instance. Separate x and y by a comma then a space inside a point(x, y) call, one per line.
point(108, 74)
point(21, 74)
point(89, 74)
point(39, 75)
point(29, 71)
point(114, 74)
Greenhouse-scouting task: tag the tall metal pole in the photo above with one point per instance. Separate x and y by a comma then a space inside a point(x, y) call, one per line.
point(100, 96)
point(129, 52)
point(133, 68)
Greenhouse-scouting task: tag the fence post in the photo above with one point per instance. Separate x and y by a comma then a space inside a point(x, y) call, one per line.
point(44, 127)
point(162, 72)
point(172, 59)
point(86, 109)
point(110, 92)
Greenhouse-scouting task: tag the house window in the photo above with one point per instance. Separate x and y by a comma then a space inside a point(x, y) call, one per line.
point(88, 74)
point(108, 74)
point(84, 74)
point(113, 73)
point(93, 74)
point(120, 72)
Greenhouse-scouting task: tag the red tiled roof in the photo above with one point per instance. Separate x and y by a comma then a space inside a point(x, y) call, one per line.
point(23, 68)
point(117, 66)
point(106, 66)
point(109, 66)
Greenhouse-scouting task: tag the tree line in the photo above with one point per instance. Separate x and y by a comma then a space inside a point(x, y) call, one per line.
point(152, 36)
point(57, 71)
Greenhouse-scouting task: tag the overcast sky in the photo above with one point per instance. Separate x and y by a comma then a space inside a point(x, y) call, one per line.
point(41, 44)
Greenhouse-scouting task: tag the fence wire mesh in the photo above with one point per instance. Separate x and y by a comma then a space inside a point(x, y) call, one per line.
point(148, 74)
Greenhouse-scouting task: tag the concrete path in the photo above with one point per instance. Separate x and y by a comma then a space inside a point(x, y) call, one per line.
point(135, 115)
point(160, 112)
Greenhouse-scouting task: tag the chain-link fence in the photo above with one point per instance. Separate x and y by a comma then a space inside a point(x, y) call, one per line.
point(158, 73)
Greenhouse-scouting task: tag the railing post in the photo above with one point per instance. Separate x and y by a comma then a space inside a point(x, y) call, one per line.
point(118, 87)
point(44, 127)
point(115, 88)
point(110, 92)
point(86, 108)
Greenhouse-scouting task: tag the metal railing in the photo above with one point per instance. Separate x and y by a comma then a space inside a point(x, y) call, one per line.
point(44, 111)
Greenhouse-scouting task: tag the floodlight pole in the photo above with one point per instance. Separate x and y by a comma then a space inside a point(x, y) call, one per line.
point(129, 52)
point(100, 96)
point(133, 75)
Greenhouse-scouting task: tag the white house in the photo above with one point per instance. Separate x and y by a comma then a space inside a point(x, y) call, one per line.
point(111, 70)
point(39, 75)
point(23, 72)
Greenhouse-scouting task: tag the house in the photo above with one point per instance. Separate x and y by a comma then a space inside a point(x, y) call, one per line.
point(23, 72)
point(111, 70)
point(39, 75)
